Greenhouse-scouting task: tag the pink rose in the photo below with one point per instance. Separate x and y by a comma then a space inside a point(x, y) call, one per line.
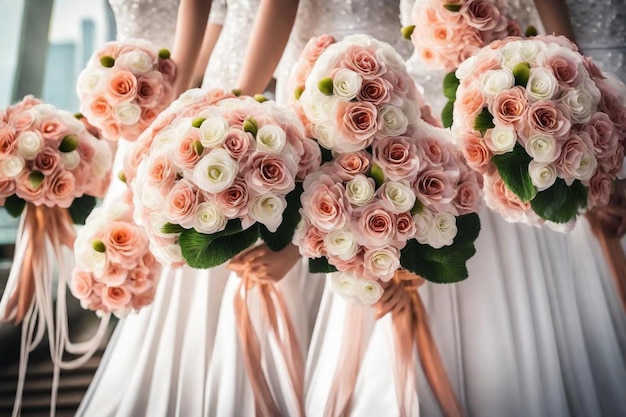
point(513, 28)
point(600, 188)
point(161, 171)
point(238, 142)
point(312, 243)
point(147, 260)
point(150, 89)
point(25, 191)
point(53, 130)
point(397, 157)
point(325, 204)
point(234, 200)
point(476, 153)
point(504, 201)
point(81, 284)
point(8, 141)
point(565, 65)
point(124, 242)
point(139, 280)
point(235, 117)
point(121, 88)
point(167, 67)
point(269, 173)
point(375, 91)
point(47, 161)
point(7, 188)
point(577, 160)
point(85, 150)
point(613, 162)
point(147, 117)
point(405, 227)
point(99, 109)
point(143, 299)
point(550, 118)
point(310, 160)
point(114, 275)
point(351, 164)
point(469, 194)
point(600, 129)
point(434, 151)
point(357, 123)
point(62, 189)
point(592, 68)
point(469, 103)
point(434, 189)
point(181, 203)
point(362, 61)
point(116, 298)
point(375, 227)
point(481, 14)
point(21, 120)
point(186, 154)
point(315, 46)
point(510, 106)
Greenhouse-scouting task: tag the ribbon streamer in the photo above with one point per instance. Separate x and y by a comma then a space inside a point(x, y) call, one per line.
point(277, 315)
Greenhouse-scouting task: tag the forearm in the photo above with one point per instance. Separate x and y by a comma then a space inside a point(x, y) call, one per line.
point(555, 18)
point(190, 26)
point(211, 35)
point(269, 37)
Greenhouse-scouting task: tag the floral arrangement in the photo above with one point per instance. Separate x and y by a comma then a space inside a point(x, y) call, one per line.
point(215, 172)
point(125, 85)
point(445, 33)
point(543, 125)
point(115, 271)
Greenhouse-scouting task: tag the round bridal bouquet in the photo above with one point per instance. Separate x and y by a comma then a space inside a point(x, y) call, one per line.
point(124, 86)
point(543, 125)
point(215, 172)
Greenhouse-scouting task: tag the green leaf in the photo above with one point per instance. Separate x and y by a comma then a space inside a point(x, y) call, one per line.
point(81, 207)
point(468, 226)
point(164, 53)
point(560, 203)
point(377, 174)
point(325, 85)
point(204, 251)
point(450, 85)
point(407, 31)
point(170, 228)
point(98, 246)
point(513, 168)
point(291, 217)
point(14, 205)
point(107, 61)
point(521, 72)
point(35, 179)
point(452, 7)
point(418, 207)
point(250, 125)
point(320, 266)
point(531, 31)
point(69, 143)
point(446, 114)
point(484, 121)
point(197, 122)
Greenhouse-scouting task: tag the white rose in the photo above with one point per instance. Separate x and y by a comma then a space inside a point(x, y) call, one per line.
point(127, 114)
point(586, 167)
point(12, 166)
point(494, 81)
point(369, 292)
point(271, 139)
point(383, 263)
point(466, 67)
point(542, 175)
point(103, 158)
point(318, 108)
point(213, 132)
point(360, 190)
point(341, 243)
point(157, 220)
point(329, 58)
point(163, 140)
point(581, 105)
point(70, 159)
point(168, 254)
point(268, 210)
point(209, 218)
point(138, 62)
point(90, 260)
point(150, 197)
point(529, 49)
point(29, 144)
point(325, 135)
point(542, 85)
point(390, 56)
point(191, 96)
point(511, 54)
point(216, 171)
point(181, 128)
point(424, 223)
point(502, 140)
point(412, 112)
point(42, 112)
point(444, 230)
point(542, 148)
point(347, 84)
point(90, 80)
point(401, 196)
point(395, 122)
point(345, 285)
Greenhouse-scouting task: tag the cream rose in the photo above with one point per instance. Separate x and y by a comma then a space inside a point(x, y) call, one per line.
point(90, 81)
point(360, 190)
point(12, 166)
point(345, 285)
point(494, 81)
point(208, 218)
point(395, 122)
point(369, 292)
point(216, 171)
point(542, 85)
point(29, 144)
point(213, 132)
point(271, 139)
point(382, 263)
point(542, 175)
point(268, 210)
point(444, 230)
point(542, 148)
point(400, 196)
point(325, 135)
point(424, 223)
point(70, 159)
point(138, 62)
point(127, 114)
point(501, 140)
point(341, 243)
point(581, 104)
point(347, 84)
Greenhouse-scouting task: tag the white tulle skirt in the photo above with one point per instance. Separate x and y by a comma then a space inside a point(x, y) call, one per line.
point(536, 330)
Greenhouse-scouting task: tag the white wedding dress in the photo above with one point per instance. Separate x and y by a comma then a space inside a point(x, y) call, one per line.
point(157, 361)
point(537, 329)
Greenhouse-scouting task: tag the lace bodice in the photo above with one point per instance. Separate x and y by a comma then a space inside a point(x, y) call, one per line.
point(153, 20)
point(600, 31)
point(378, 18)
point(227, 56)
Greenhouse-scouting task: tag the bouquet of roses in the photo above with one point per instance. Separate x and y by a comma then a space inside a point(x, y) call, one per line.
point(214, 178)
point(125, 85)
point(445, 33)
point(115, 271)
point(411, 202)
point(543, 125)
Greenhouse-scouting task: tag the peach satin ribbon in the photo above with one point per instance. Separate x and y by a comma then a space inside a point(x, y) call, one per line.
point(278, 318)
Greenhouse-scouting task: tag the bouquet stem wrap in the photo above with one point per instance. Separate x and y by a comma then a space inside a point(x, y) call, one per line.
point(277, 315)
point(29, 298)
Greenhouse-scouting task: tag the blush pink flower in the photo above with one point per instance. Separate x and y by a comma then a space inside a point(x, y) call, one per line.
point(510, 106)
point(376, 226)
point(161, 171)
point(376, 91)
point(550, 118)
point(397, 157)
point(481, 14)
point(121, 88)
point(234, 200)
point(363, 61)
point(81, 284)
point(600, 187)
point(7, 141)
point(601, 130)
point(181, 203)
point(116, 298)
point(351, 164)
point(434, 189)
point(238, 142)
point(357, 123)
point(124, 242)
point(150, 89)
point(325, 205)
point(62, 189)
point(47, 161)
point(269, 173)
point(315, 46)
point(114, 275)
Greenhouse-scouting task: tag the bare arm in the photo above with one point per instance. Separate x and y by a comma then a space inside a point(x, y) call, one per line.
point(190, 26)
point(269, 37)
point(211, 35)
point(555, 18)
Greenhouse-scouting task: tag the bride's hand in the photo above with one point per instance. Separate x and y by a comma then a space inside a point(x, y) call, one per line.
point(262, 264)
